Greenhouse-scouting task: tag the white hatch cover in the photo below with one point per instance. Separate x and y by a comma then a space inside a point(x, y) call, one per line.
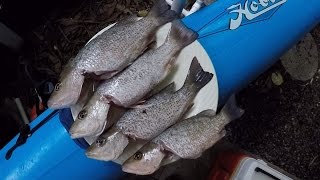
point(207, 98)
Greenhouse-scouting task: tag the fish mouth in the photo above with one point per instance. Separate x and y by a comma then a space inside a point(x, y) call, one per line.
point(98, 156)
point(126, 168)
point(92, 155)
point(77, 131)
point(136, 170)
point(54, 105)
point(60, 103)
point(75, 134)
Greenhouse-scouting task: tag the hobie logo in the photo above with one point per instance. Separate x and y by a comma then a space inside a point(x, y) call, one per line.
point(252, 10)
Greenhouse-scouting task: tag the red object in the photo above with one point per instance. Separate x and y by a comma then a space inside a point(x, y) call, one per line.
point(33, 112)
point(225, 164)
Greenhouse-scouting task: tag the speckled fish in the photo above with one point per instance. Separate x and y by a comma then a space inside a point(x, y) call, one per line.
point(146, 72)
point(109, 53)
point(154, 116)
point(135, 82)
point(91, 121)
point(86, 93)
point(187, 139)
point(66, 91)
point(83, 124)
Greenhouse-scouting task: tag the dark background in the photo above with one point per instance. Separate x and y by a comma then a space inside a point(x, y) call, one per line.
point(281, 123)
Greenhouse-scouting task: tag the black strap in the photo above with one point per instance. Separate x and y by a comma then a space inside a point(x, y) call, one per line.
point(25, 132)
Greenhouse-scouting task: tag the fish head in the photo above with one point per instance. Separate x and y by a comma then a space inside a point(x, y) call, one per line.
point(92, 119)
point(66, 91)
point(145, 161)
point(108, 146)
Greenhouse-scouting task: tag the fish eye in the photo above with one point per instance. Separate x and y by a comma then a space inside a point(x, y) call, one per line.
point(57, 87)
point(138, 156)
point(82, 114)
point(100, 142)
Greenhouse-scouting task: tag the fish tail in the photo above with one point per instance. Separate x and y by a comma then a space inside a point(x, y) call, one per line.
point(231, 110)
point(181, 35)
point(161, 11)
point(207, 113)
point(197, 77)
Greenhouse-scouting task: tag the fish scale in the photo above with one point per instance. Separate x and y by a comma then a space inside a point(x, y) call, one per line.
point(145, 73)
point(94, 57)
point(158, 113)
point(110, 52)
point(133, 84)
point(190, 137)
point(166, 109)
point(187, 139)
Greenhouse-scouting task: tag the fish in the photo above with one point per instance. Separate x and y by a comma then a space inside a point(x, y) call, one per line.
point(91, 121)
point(109, 53)
point(66, 91)
point(149, 69)
point(112, 138)
point(157, 113)
point(86, 93)
point(145, 161)
point(84, 126)
point(134, 83)
point(187, 139)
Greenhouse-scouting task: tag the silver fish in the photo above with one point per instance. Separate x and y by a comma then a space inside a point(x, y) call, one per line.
point(110, 53)
point(112, 138)
point(86, 93)
point(67, 91)
point(83, 126)
point(147, 71)
point(91, 121)
point(159, 112)
point(146, 161)
point(137, 80)
point(187, 139)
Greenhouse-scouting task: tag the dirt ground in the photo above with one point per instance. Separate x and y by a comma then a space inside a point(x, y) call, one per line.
point(281, 123)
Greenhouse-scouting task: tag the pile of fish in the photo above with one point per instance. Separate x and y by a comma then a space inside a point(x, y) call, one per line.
point(127, 67)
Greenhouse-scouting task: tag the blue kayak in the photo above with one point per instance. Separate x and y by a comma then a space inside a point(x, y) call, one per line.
point(242, 38)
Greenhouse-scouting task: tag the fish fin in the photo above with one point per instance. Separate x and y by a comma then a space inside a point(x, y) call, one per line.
point(169, 158)
point(114, 114)
point(152, 45)
point(207, 113)
point(181, 34)
point(170, 64)
point(103, 129)
point(108, 75)
point(189, 107)
point(86, 92)
point(161, 10)
point(231, 110)
point(187, 110)
point(170, 88)
point(197, 76)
